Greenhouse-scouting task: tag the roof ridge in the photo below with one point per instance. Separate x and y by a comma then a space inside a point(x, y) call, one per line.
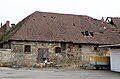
point(64, 14)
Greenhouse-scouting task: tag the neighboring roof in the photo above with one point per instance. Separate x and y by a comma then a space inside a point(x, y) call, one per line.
point(115, 45)
point(116, 20)
point(43, 26)
point(4, 28)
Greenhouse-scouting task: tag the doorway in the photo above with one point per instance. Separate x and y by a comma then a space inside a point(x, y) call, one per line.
point(42, 55)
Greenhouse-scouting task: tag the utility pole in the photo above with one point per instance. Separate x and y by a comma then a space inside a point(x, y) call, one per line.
point(16, 48)
point(32, 58)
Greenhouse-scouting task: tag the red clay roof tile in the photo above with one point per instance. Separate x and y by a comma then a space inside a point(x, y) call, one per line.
point(43, 26)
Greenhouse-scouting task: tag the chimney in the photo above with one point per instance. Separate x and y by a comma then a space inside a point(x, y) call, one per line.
point(1, 25)
point(7, 26)
point(12, 25)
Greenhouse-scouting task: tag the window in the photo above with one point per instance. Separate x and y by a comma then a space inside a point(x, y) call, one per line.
point(80, 46)
point(58, 50)
point(95, 48)
point(101, 32)
point(34, 19)
point(73, 24)
point(27, 48)
point(86, 33)
point(1, 45)
point(115, 47)
point(91, 33)
point(53, 17)
point(83, 33)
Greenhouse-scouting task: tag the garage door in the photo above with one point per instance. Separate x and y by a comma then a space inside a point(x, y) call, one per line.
point(115, 59)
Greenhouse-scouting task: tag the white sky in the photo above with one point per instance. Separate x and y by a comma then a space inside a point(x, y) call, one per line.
point(16, 10)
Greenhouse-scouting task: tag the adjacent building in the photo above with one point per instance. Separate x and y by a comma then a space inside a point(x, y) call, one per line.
point(114, 51)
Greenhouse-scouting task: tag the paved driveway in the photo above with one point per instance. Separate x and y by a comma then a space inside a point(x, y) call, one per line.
point(57, 74)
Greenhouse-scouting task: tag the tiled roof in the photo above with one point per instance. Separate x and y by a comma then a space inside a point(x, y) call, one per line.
point(4, 28)
point(43, 26)
point(116, 21)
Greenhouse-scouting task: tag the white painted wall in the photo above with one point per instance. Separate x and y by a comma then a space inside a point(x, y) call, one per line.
point(115, 59)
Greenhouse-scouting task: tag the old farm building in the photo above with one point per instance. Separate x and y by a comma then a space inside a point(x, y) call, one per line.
point(58, 38)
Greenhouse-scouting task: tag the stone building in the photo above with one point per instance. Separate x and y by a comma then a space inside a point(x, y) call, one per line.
point(64, 39)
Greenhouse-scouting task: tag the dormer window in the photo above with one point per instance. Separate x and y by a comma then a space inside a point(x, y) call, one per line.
point(87, 33)
point(91, 33)
point(83, 33)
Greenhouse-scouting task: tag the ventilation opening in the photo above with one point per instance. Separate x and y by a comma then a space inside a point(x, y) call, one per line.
point(34, 19)
point(53, 17)
point(44, 16)
point(101, 32)
point(73, 24)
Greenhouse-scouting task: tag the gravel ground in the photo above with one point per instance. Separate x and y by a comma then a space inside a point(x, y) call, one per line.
point(52, 73)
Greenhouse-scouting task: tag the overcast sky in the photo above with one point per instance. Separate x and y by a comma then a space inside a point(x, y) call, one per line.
point(16, 10)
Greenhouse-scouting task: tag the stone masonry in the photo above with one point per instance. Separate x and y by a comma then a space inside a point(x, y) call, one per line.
point(71, 54)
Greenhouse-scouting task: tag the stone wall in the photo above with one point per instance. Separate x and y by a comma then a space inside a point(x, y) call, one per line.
point(31, 58)
point(71, 54)
point(88, 50)
point(6, 57)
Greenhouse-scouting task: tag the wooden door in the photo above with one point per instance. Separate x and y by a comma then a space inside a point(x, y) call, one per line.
point(42, 55)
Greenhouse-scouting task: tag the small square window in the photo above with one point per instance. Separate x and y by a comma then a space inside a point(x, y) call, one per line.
point(95, 48)
point(80, 46)
point(27, 48)
point(83, 33)
point(91, 33)
point(58, 50)
point(86, 33)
